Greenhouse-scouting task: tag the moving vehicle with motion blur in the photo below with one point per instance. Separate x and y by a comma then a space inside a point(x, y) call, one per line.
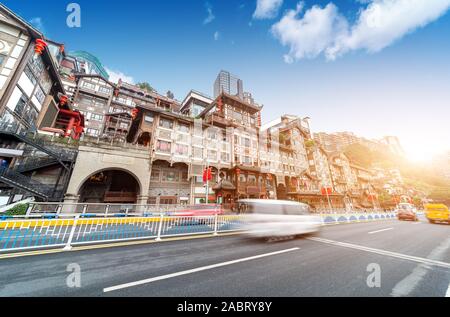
point(274, 219)
point(407, 211)
point(199, 210)
point(436, 213)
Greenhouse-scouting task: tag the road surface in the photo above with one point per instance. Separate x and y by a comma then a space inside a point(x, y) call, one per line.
point(413, 259)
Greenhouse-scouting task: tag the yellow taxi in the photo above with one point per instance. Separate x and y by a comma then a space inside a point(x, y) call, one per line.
point(437, 213)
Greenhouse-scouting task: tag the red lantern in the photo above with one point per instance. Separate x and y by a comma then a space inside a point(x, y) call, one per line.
point(40, 46)
point(63, 100)
point(327, 191)
point(209, 174)
point(134, 113)
point(61, 48)
point(259, 119)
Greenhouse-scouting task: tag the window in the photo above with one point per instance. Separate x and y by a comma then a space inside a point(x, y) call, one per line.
point(246, 142)
point(36, 65)
point(247, 160)
point(225, 157)
point(212, 134)
point(252, 180)
point(212, 155)
point(30, 75)
point(164, 147)
point(148, 118)
point(167, 124)
point(183, 138)
point(96, 117)
point(182, 150)
point(39, 94)
point(155, 175)
point(92, 132)
point(88, 85)
point(21, 105)
point(104, 90)
point(198, 152)
point(170, 176)
point(2, 59)
point(183, 128)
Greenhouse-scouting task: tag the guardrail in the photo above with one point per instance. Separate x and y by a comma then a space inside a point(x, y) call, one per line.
point(45, 231)
point(104, 210)
point(340, 218)
point(66, 231)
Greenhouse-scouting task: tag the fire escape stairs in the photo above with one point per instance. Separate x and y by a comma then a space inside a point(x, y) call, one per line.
point(17, 180)
point(61, 156)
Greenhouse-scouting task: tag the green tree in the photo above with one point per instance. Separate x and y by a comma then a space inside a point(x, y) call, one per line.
point(146, 86)
point(170, 95)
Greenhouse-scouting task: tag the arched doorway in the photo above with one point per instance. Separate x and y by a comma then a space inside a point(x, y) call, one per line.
point(110, 186)
point(144, 139)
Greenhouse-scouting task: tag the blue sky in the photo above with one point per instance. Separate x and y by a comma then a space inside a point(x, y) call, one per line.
point(319, 61)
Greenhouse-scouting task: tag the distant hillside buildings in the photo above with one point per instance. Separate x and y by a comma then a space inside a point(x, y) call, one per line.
point(69, 134)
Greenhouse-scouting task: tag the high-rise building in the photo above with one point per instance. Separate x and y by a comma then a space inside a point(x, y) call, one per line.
point(229, 84)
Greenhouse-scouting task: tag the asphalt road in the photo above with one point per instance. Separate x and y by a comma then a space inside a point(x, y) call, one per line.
point(413, 259)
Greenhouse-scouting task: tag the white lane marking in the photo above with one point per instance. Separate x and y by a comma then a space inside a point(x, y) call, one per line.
point(383, 252)
point(409, 283)
point(382, 230)
point(448, 291)
point(203, 268)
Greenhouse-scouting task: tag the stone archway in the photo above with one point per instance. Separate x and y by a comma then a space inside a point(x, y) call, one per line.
point(110, 186)
point(91, 161)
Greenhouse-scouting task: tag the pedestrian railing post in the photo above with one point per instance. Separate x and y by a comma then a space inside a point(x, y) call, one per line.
point(68, 246)
point(216, 224)
point(30, 209)
point(161, 219)
point(58, 210)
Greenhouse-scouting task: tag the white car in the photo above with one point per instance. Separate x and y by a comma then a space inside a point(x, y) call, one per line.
point(277, 218)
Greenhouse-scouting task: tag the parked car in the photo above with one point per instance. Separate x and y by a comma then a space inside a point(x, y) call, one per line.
point(272, 219)
point(407, 212)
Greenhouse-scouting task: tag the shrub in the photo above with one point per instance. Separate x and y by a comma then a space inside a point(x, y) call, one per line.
point(19, 210)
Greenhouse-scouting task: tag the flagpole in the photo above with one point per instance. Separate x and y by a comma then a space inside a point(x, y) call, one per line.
point(207, 184)
point(329, 202)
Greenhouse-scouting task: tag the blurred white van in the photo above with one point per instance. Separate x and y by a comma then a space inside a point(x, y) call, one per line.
point(277, 218)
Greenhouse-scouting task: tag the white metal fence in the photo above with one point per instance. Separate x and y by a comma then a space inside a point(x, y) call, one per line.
point(22, 233)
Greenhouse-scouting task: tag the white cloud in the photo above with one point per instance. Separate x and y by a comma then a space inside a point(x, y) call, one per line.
point(379, 24)
point(114, 76)
point(38, 24)
point(267, 9)
point(210, 16)
point(311, 34)
point(216, 36)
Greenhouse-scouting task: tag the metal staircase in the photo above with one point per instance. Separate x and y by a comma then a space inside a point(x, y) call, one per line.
point(55, 155)
point(61, 155)
point(20, 181)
